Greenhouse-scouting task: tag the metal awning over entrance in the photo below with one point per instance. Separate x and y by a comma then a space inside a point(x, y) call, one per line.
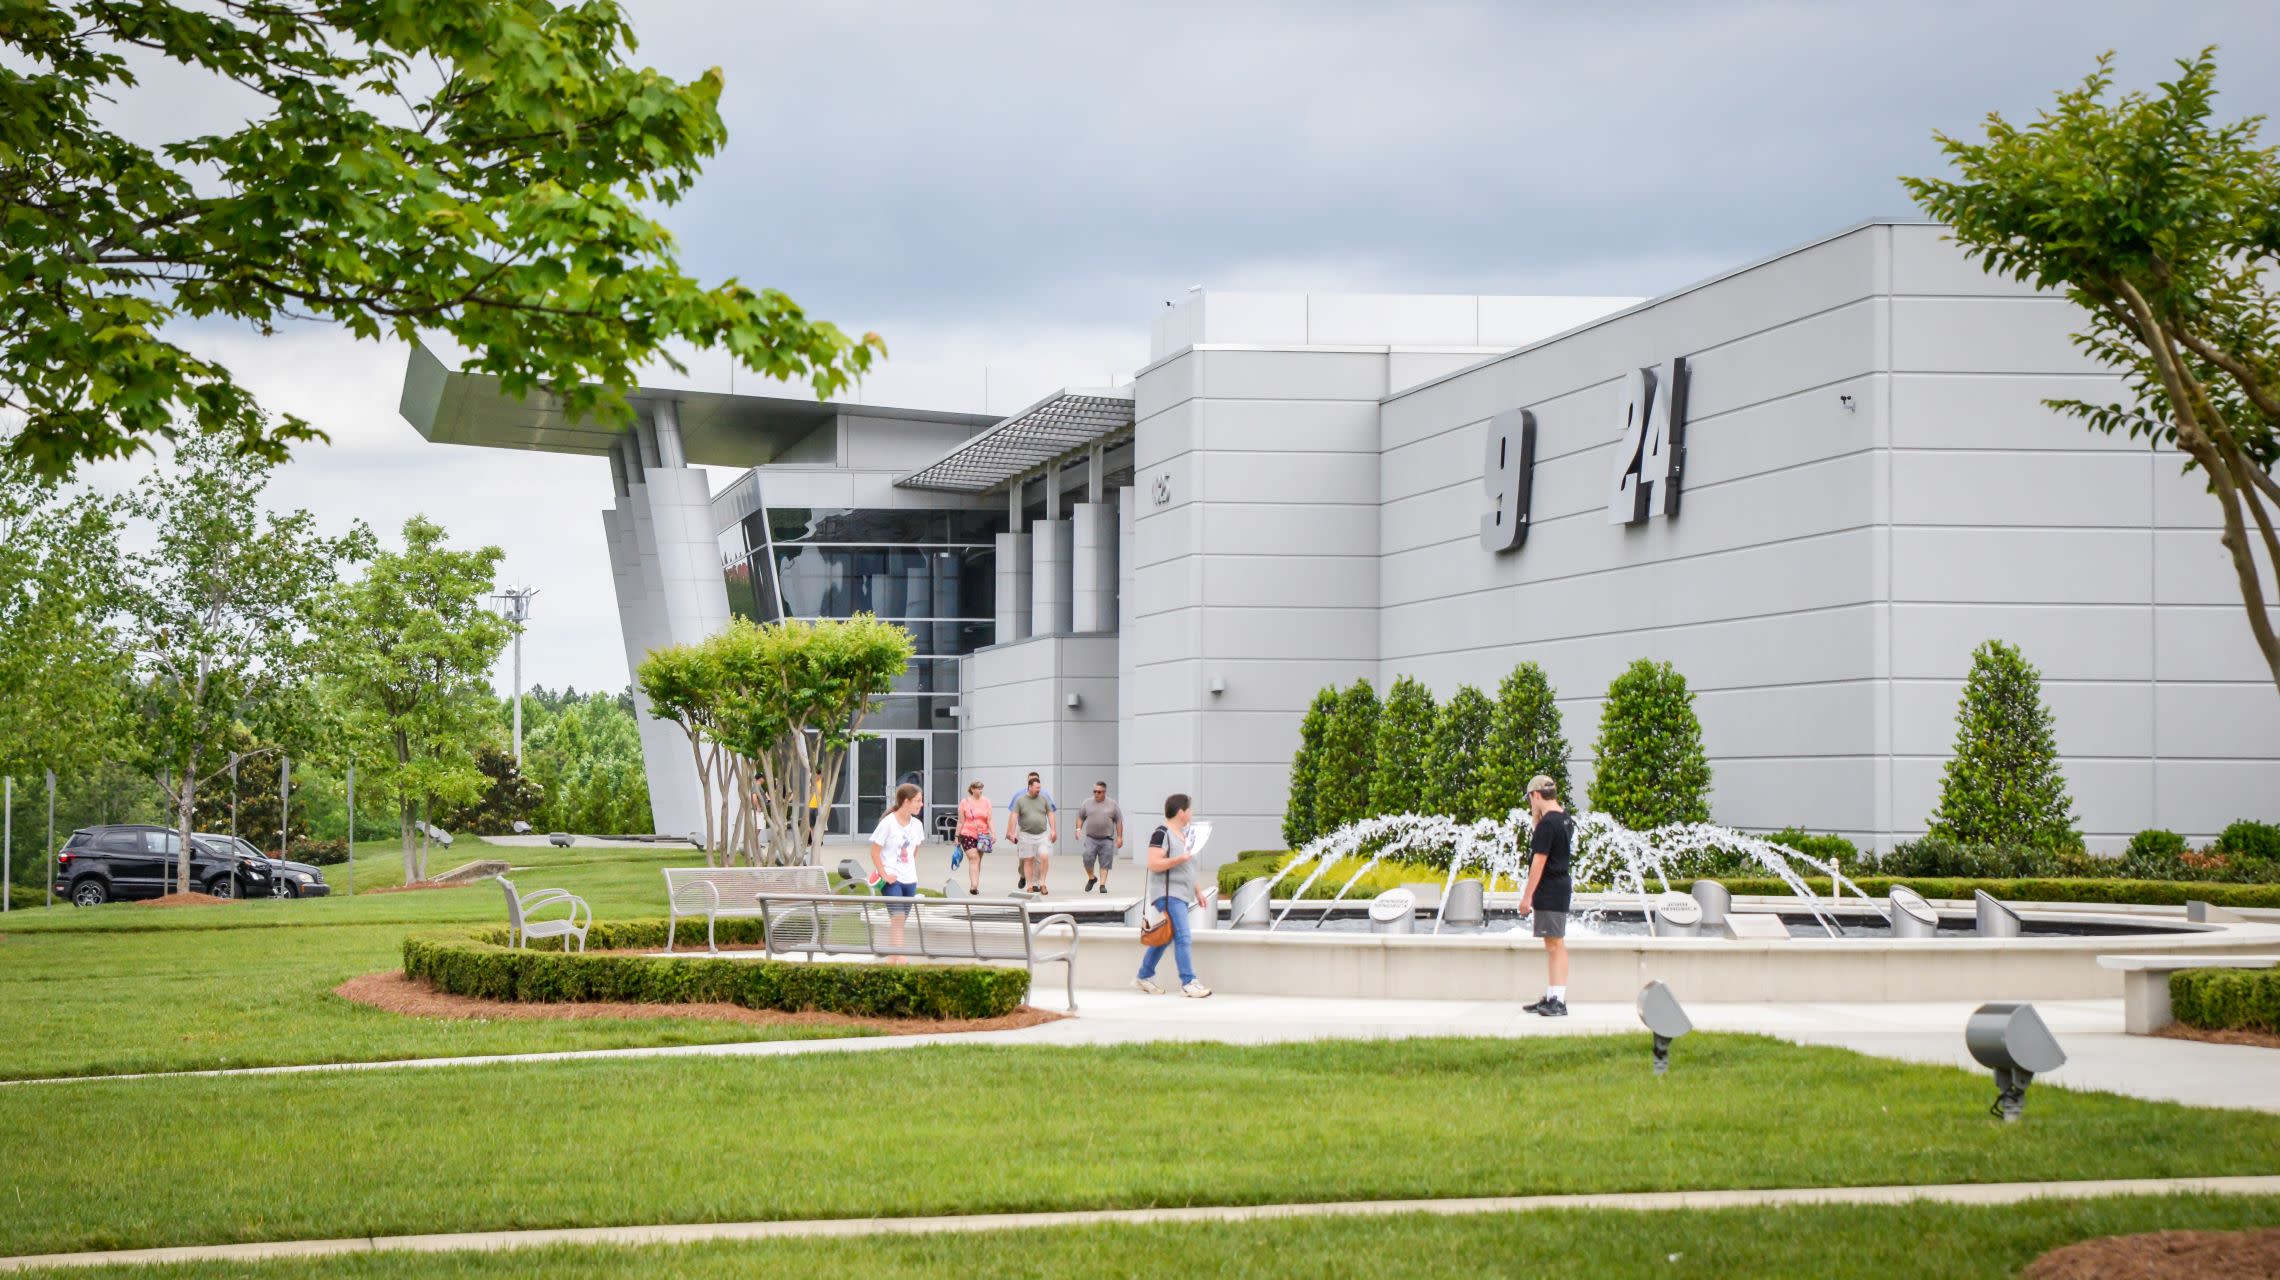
point(1054, 427)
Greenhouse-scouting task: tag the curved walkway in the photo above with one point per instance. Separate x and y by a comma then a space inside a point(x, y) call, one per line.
point(1983, 1193)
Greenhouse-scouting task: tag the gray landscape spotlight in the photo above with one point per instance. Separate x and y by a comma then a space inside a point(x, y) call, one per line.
point(2009, 1037)
point(1659, 1009)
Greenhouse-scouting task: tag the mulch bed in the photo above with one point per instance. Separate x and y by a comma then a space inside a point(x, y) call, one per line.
point(2160, 1255)
point(395, 993)
point(2259, 1039)
point(182, 900)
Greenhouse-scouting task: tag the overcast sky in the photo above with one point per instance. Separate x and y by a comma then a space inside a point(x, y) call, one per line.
point(1016, 188)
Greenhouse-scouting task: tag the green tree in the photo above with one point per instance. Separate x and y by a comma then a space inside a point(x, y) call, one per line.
point(2002, 786)
point(771, 710)
point(1458, 761)
point(1349, 758)
point(62, 666)
point(584, 753)
point(1650, 768)
point(1298, 812)
point(1401, 756)
point(480, 168)
point(408, 649)
point(219, 611)
point(244, 799)
point(2165, 229)
point(1525, 738)
point(508, 797)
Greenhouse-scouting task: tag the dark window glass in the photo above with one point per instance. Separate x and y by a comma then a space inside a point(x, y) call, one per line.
point(865, 524)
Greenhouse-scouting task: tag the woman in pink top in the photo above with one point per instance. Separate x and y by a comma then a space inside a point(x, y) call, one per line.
point(974, 833)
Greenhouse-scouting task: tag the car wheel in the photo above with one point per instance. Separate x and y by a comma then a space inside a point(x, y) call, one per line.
point(222, 886)
point(90, 893)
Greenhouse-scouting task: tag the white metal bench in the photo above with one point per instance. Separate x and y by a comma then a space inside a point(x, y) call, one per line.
point(521, 928)
point(2145, 984)
point(715, 892)
point(984, 929)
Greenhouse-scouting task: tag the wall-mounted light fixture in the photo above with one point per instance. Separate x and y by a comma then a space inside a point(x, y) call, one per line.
point(1073, 701)
point(1219, 684)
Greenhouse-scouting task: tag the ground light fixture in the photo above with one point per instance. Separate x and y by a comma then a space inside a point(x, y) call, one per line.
point(1660, 1011)
point(2009, 1038)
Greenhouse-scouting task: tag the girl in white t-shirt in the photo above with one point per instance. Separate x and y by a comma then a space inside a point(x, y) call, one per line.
point(894, 856)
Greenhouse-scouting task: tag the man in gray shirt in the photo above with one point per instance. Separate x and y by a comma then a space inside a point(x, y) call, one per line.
point(1034, 822)
point(1103, 825)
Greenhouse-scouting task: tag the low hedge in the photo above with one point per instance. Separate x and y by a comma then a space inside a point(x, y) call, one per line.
point(478, 964)
point(2227, 999)
point(1388, 874)
point(2151, 892)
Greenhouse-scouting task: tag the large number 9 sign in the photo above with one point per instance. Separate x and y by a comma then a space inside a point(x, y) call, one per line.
point(1508, 472)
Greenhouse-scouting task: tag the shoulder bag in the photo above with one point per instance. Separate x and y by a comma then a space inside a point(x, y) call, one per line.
point(1159, 933)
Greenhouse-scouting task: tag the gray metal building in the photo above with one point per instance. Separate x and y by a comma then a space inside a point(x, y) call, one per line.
point(1292, 494)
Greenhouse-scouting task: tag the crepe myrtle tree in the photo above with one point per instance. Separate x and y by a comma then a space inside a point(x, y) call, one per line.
point(1401, 756)
point(485, 170)
point(770, 710)
point(218, 611)
point(2164, 227)
point(1298, 811)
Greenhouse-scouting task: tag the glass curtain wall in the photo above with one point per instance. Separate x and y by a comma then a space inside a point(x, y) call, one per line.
point(933, 572)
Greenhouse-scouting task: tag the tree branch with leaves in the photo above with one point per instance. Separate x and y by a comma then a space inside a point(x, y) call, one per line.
point(2165, 229)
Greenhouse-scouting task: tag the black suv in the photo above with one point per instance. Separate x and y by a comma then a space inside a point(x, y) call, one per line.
point(135, 860)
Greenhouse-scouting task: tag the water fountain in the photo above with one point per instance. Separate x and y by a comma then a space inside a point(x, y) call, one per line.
point(1606, 852)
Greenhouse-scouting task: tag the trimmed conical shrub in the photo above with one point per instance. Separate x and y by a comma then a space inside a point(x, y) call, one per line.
point(2003, 786)
point(1651, 769)
point(1298, 814)
point(1404, 747)
point(1524, 739)
point(1457, 767)
point(1349, 750)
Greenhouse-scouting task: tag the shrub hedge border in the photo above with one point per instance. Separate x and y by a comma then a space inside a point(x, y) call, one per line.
point(2033, 889)
point(2227, 999)
point(479, 964)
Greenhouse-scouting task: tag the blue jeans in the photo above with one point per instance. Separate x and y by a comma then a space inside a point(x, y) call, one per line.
point(1177, 909)
point(898, 889)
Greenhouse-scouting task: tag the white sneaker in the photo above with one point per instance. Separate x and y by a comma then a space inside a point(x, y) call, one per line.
point(1195, 991)
point(1143, 985)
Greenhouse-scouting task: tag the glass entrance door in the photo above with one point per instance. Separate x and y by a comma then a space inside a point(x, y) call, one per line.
point(883, 763)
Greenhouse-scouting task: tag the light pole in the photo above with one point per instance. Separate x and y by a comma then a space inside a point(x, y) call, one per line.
point(514, 605)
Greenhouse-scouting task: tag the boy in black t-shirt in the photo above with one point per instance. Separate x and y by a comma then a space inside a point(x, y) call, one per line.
point(1547, 894)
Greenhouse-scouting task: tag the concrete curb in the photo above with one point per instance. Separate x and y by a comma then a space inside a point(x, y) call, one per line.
point(1986, 1193)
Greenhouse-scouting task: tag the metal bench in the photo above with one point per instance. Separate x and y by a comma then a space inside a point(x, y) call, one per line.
point(714, 892)
point(2145, 984)
point(984, 929)
point(521, 928)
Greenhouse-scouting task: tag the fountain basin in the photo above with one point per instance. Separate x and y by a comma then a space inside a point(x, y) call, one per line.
point(2042, 964)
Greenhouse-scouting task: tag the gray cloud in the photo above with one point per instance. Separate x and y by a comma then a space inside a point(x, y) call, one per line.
point(1019, 186)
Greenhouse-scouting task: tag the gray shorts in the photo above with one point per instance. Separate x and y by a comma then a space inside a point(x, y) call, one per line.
point(1549, 924)
point(1100, 851)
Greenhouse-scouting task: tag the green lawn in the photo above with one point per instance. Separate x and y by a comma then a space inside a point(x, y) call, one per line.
point(130, 988)
point(974, 1129)
point(1871, 1243)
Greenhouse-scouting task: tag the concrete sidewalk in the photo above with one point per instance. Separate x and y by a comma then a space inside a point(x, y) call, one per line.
point(2099, 1055)
point(1985, 1193)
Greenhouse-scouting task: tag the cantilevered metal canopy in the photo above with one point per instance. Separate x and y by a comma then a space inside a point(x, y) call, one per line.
point(1057, 425)
point(717, 429)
